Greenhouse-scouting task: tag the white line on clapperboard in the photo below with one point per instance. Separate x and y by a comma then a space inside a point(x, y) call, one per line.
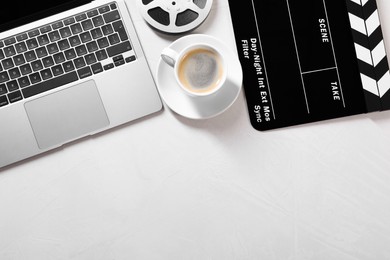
point(299, 62)
point(262, 54)
point(312, 71)
point(334, 54)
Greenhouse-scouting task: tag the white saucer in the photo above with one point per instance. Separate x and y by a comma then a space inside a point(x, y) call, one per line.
point(200, 107)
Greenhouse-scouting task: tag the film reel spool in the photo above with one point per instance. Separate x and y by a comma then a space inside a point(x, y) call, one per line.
point(175, 16)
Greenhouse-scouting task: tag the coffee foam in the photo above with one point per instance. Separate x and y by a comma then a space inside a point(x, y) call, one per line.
point(200, 70)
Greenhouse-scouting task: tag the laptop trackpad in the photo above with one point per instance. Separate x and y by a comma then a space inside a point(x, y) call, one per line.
point(66, 115)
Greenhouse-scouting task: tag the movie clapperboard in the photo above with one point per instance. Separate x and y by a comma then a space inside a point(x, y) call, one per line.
point(310, 60)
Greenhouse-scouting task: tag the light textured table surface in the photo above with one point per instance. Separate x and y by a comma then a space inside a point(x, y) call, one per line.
point(166, 187)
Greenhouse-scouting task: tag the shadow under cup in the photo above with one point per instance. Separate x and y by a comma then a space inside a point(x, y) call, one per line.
point(201, 70)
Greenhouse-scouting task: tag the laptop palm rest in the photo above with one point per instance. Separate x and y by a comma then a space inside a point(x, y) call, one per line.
point(72, 113)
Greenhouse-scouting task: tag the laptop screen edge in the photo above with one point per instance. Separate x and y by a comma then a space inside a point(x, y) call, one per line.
point(42, 14)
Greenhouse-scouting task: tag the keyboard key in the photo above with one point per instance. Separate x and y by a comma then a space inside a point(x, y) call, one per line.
point(12, 85)
point(69, 21)
point(104, 9)
point(76, 28)
point(57, 70)
point(19, 60)
point(117, 58)
point(30, 56)
point(103, 42)
point(22, 37)
point(36, 65)
point(52, 48)
point(35, 78)
point(70, 54)
point(85, 37)
point(81, 17)
point(92, 46)
point(32, 43)
point(92, 13)
point(63, 44)
point(87, 25)
point(54, 36)
point(9, 51)
point(46, 74)
point(84, 72)
point(25, 69)
point(45, 29)
point(3, 89)
point(113, 6)
point(3, 101)
point(14, 73)
point(107, 29)
point(65, 32)
point(2, 56)
point(108, 66)
point(114, 39)
point(4, 77)
point(8, 63)
point(111, 16)
point(74, 41)
point(24, 82)
point(50, 84)
point(119, 48)
point(33, 33)
point(96, 33)
point(43, 40)
point(57, 25)
point(101, 55)
point(90, 58)
point(119, 62)
point(68, 66)
point(9, 41)
point(21, 47)
point(79, 62)
point(15, 96)
point(41, 52)
point(120, 29)
point(48, 61)
point(98, 21)
point(81, 50)
point(59, 58)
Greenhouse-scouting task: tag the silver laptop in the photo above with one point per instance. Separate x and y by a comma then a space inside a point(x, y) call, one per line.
point(68, 71)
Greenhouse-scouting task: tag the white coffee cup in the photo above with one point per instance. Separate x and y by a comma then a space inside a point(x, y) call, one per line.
point(200, 69)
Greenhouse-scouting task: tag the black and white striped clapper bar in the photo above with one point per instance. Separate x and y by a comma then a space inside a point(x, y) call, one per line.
point(371, 53)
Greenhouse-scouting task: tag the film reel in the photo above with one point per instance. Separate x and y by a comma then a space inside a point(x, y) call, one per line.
point(175, 16)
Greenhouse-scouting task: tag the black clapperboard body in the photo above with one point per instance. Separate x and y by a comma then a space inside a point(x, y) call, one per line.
point(310, 60)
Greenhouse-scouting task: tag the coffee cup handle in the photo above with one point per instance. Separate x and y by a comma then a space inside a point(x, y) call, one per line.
point(169, 56)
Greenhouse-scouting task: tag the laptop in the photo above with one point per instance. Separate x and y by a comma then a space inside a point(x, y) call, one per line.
point(68, 70)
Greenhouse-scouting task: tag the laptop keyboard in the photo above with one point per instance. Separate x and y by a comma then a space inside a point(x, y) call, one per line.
point(62, 52)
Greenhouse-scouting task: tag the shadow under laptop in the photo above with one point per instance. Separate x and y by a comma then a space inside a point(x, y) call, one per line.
point(80, 140)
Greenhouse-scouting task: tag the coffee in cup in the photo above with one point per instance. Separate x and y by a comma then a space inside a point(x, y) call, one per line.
point(199, 69)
